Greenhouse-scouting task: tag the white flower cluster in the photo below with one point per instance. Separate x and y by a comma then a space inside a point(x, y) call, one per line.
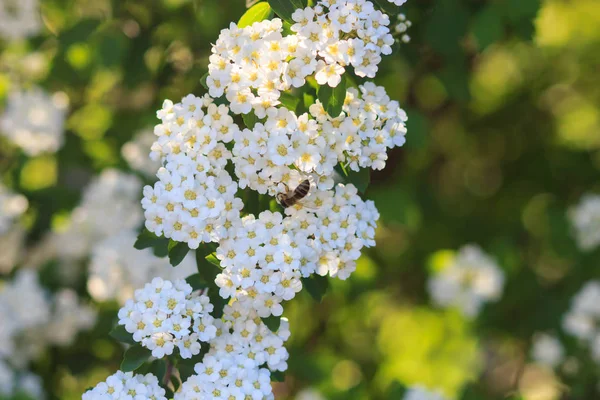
point(31, 318)
point(19, 383)
point(398, 2)
point(110, 204)
point(136, 151)
point(127, 386)
point(583, 318)
point(194, 200)
point(585, 219)
point(117, 268)
point(169, 314)
point(236, 365)
point(421, 393)
point(265, 259)
point(402, 26)
point(12, 206)
point(34, 120)
point(470, 280)
point(547, 350)
point(19, 19)
point(287, 147)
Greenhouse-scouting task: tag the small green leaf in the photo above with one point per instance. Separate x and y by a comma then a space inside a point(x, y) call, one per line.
point(145, 239)
point(250, 120)
point(285, 8)
point(203, 81)
point(175, 382)
point(256, 13)
point(390, 9)
point(277, 376)
point(316, 286)
point(158, 368)
point(134, 357)
point(119, 333)
point(207, 270)
point(196, 281)
point(361, 178)
point(177, 252)
point(333, 98)
point(185, 370)
point(161, 248)
point(217, 301)
point(272, 323)
point(289, 101)
point(212, 258)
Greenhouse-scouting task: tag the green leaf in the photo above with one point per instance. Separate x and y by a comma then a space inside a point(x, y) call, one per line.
point(250, 120)
point(185, 370)
point(272, 323)
point(177, 252)
point(289, 101)
point(285, 8)
point(196, 281)
point(316, 285)
point(256, 13)
point(134, 357)
point(333, 98)
point(146, 239)
point(217, 301)
point(203, 81)
point(277, 376)
point(360, 178)
point(161, 248)
point(487, 26)
point(207, 270)
point(119, 333)
point(212, 258)
point(158, 368)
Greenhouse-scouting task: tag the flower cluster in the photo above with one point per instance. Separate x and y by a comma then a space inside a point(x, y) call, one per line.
point(19, 19)
point(402, 26)
point(471, 279)
point(166, 315)
point(583, 318)
point(239, 359)
point(126, 385)
point(34, 120)
point(336, 34)
point(194, 200)
point(135, 152)
point(117, 268)
point(110, 204)
point(12, 206)
point(421, 393)
point(585, 219)
point(31, 318)
point(547, 350)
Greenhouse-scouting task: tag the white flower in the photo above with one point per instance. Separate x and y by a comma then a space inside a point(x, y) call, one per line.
point(126, 385)
point(19, 19)
point(34, 120)
point(470, 280)
point(421, 393)
point(12, 206)
point(581, 321)
point(547, 350)
point(136, 152)
point(585, 220)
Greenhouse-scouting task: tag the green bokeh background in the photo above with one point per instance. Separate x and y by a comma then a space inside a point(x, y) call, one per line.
point(503, 136)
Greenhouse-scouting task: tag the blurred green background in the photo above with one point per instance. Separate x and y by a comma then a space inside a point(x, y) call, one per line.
point(503, 136)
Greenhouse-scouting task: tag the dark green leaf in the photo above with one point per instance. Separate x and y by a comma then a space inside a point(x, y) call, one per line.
point(256, 13)
point(146, 239)
point(487, 26)
point(196, 281)
point(217, 301)
point(134, 357)
point(333, 98)
point(203, 81)
point(212, 258)
point(316, 286)
point(185, 370)
point(389, 8)
point(119, 333)
point(277, 376)
point(272, 322)
point(360, 179)
point(158, 368)
point(285, 8)
point(289, 101)
point(207, 271)
point(161, 248)
point(396, 391)
point(250, 120)
point(177, 252)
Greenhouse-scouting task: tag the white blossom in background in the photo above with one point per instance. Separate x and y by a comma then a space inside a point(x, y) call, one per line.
point(165, 315)
point(117, 268)
point(126, 385)
point(583, 318)
point(34, 120)
point(585, 220)
point(19, 19)
point(547, 350)
point(401, 27)
point(470, 280)
point(309, 394)
point(136, 152)
point(18, 382)
point(12, 206)
point(32, 318)
point(110, 204)
point(422, 393)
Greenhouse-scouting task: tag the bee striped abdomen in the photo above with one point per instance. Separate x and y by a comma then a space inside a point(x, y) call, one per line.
point(290, 199)
point(302, 189)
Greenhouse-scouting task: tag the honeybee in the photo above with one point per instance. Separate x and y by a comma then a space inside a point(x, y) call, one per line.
point(292, 197)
